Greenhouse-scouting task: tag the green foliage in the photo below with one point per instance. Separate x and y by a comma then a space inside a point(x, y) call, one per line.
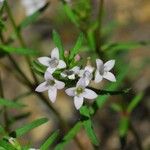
point(6, 146)
point(10, 104)
point(116, 107)
point(19, 51)
point(26, 128)
point(58, 43)
point(29, 20)
point(134, 102)
point(77, 46)
point(69, 136)
point(71, 15)
point(113, 48)
point(46, 145)
point(123, 126)
point(90, 131)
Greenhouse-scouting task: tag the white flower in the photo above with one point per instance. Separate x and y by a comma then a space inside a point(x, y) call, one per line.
point(50, 84)
point(80, 92)
point(87, 74)
point(53, 63)
point(1, 3)
point(32, 6)
point(103, 70)
point(33, 149)
point(70, 74)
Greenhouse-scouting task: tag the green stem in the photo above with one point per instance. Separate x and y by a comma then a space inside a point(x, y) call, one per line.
point(20, 38)
point(5, 109)
point(31, 86)
point(98, 35)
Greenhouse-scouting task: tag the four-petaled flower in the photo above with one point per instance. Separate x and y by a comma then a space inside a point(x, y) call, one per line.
point(50, 84)
point(70, 74)
point(54, 62)
point(80, 92)
point(87, 74)
point(102, 70)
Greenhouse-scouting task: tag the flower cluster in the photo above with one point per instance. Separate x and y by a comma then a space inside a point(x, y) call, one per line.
point(81, 76)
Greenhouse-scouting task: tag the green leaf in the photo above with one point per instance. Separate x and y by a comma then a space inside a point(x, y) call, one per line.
point(20, 51)
point(38, 67)
point(77, 46)
point(29, 20)
point(26, 128)
point(70, 135)
point(90, 132)
point(11, 104)
point(71, 15)
point(84, 111)
point(122, 46)
point(123, 126)
point(6, 145)
point(135, 101)
point(32, 18)
point(46, 145)
point(58, 43)
point(116, 107)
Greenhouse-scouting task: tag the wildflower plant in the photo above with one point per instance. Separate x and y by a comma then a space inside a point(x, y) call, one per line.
point(67, 71)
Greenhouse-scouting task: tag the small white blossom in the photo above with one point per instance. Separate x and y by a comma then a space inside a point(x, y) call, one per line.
point(51, 85)
point(103, 70)
point(32, 6)
point(70, 74)
point(87, 74)
point(1, 3)
point(80, 92)
point(54, 62)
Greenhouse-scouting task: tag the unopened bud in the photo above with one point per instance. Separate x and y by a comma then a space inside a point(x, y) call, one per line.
point(77, 57)
point(66, 53)
point(89, 61)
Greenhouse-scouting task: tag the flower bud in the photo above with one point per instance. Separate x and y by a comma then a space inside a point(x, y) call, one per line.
point(77, 57)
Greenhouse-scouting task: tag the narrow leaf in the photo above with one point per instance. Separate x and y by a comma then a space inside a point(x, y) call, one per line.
point(90, 132)
point(2, 130)
point(123, 126)
point(135, 101)
point(70, 135)
point(26, 128)
point(116, 107)
point(46, 145)
point(20, 51)
point(6, 145)
point(11, 104)
point(58, 43)
point(71, 15)
point(122, 46)
point(77, 46)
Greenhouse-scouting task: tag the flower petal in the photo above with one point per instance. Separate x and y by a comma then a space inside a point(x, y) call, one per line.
point(89, 68)
point(42, 87)
point(81, 82)
point(89, 94)
point(48, 75)
point(99, 64)
point(78, 101)
point(70, 91)
point(59, 84)
point(61, 64)
point(55, 53)
point(51, 70)
point(109, 76)
point(75, 69)
point(44, 60)
point(63, 74)
point(52, 93)
point(98, 77)
point(109, 65)
point(71, 77)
